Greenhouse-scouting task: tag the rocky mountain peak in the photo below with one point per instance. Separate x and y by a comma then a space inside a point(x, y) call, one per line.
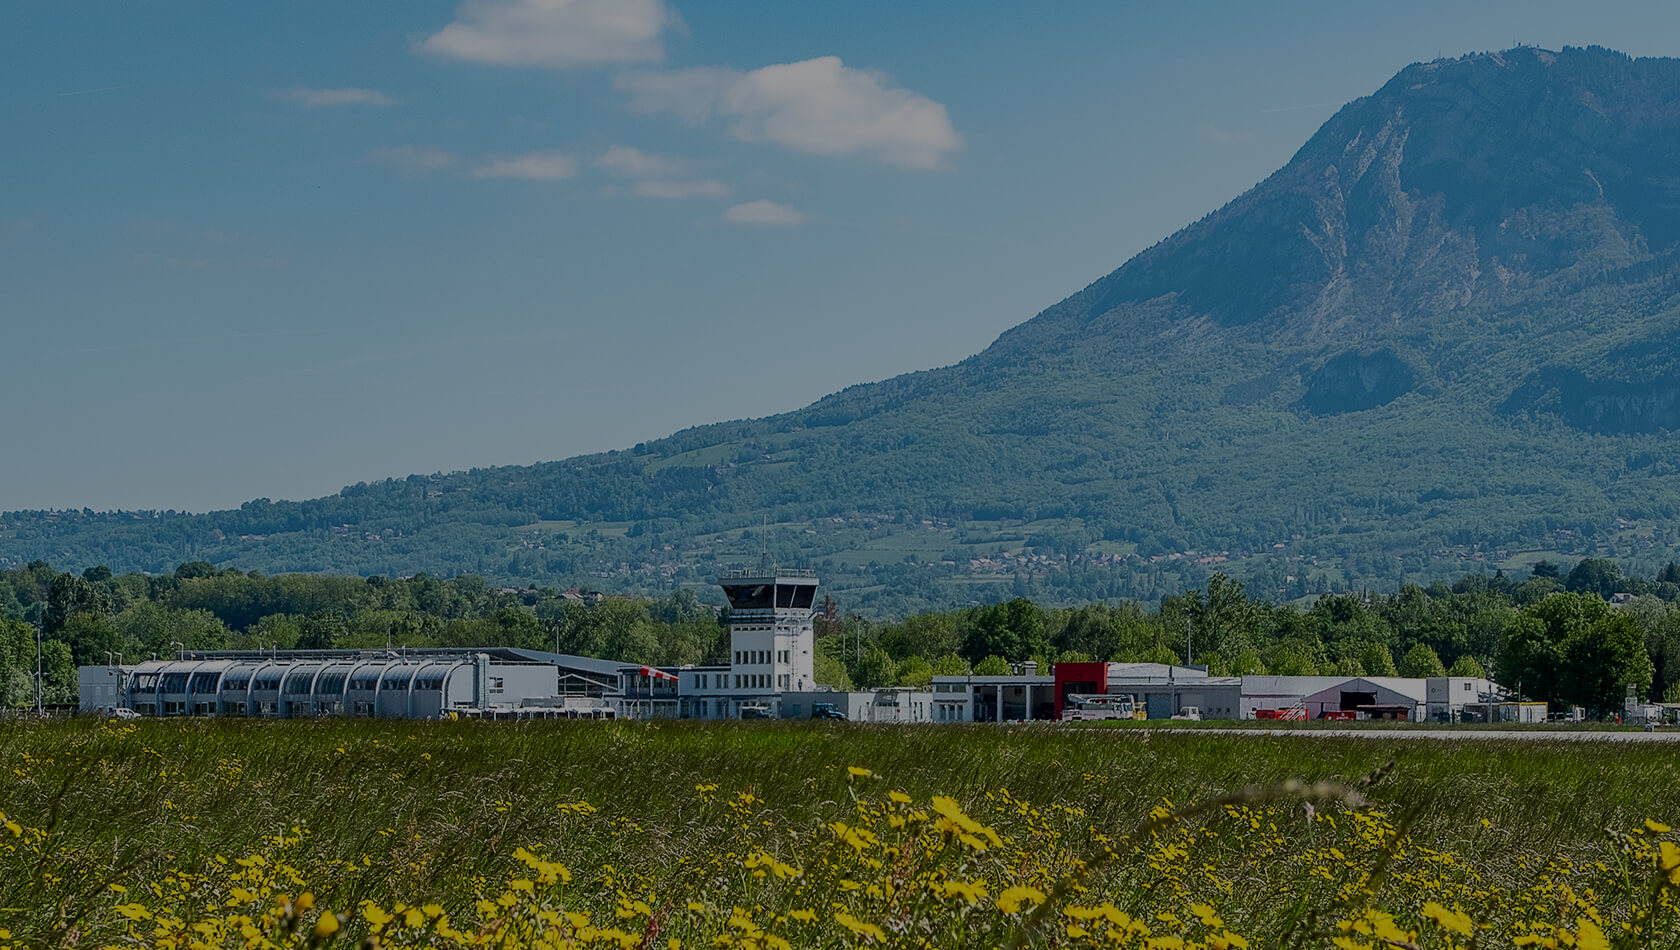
point(1458, 181)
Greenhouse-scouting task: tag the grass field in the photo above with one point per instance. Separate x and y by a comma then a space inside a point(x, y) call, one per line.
point(204, 833)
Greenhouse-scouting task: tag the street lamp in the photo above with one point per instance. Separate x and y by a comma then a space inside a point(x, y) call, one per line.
point(181, 649)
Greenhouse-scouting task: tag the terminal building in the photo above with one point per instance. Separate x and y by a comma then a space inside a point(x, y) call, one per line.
point(492, 682)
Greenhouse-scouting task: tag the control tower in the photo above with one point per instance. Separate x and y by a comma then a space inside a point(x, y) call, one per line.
point(771, 632)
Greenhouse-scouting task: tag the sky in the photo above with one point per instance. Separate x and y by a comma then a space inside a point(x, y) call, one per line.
point(269, 250)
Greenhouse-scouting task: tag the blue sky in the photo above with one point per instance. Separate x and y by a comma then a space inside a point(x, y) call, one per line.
point(267, 250)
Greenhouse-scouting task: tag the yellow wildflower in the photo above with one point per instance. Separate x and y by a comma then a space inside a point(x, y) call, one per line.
point(971, 892)
point(1452, 920)
point(869, 931)
point(1015, 898)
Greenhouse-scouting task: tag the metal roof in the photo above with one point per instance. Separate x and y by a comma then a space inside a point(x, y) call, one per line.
point(227, 659)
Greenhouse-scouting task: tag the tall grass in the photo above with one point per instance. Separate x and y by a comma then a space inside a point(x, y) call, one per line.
point(429, 811)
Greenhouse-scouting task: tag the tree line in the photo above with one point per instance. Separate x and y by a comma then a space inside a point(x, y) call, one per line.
point(1552, 635)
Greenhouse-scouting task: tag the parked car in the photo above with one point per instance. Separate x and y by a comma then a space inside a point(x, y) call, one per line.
point(123, 712)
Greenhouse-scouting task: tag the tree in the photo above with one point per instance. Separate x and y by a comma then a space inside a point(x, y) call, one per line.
point(1014, 630)
point(17, 663)
point(1467, 666)
point(69, 595)
point(322, 631)
point(1421, 662)
point(832, 673)
point(58, 669)
point(1216, 665)
point(1571, 648)
point(1097, 630)
point(950, 665)
point(875, 669)
point(1292, 661)
point(926, 634)
point(1160, 654)
point(1595, 575)
point(1603, 661)
point(1229, 621)
point(1248, 663)
point(1378, 661)
point(89, 637)
point(915, 671)
point(1531, 658)
point(193, 569)
point(992, 666)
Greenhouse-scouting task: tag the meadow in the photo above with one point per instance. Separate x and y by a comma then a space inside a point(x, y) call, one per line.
point(355, 833)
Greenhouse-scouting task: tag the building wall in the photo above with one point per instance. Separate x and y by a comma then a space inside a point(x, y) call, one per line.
point(100, 688)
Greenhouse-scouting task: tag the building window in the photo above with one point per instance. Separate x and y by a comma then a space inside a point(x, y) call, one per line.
point(783, 681)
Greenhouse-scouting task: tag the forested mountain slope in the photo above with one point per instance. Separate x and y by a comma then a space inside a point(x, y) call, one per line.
point(1442, 335)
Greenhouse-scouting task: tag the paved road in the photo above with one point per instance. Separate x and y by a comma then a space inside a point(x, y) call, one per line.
point(1548, 735)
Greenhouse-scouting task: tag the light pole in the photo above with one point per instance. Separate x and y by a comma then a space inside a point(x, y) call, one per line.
point(181, 649)
point(40, 705)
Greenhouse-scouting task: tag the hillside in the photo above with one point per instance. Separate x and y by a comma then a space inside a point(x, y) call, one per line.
point(1440, 337)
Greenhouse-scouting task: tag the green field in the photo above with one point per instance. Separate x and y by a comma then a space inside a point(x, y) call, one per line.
point(454, 834)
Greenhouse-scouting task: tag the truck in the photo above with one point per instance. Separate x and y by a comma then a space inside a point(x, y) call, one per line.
point(827, 711)
point(1090, 707)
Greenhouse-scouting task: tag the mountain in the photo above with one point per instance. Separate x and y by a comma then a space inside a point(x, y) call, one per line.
point(1442, 336)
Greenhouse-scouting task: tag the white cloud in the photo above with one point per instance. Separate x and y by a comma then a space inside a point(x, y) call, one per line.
point(635, 163)
point(534, 166)
point(558, 34)
point(818, 105)
point(311, 98)
point(706, 188)
point(414, 158)
point(764, 214)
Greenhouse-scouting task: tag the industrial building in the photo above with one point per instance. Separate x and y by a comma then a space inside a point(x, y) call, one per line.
point(1436, 699)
